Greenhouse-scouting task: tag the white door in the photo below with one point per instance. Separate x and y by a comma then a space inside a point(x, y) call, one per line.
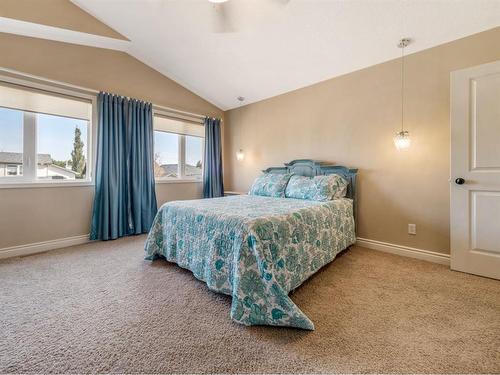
point(475, 170)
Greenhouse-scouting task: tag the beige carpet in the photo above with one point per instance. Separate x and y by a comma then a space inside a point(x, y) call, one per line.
point(101, 308)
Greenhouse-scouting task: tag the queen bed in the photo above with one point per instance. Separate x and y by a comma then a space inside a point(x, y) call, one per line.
point(258, 248)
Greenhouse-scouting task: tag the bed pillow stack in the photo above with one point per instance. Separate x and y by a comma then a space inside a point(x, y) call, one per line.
point(270, 185)
point(317, 188)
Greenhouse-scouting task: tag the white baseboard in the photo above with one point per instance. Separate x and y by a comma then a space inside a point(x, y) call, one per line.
point(406, 251)
point(430, 256)
point(39, 247)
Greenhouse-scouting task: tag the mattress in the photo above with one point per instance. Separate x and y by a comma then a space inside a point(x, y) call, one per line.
point(253, 248)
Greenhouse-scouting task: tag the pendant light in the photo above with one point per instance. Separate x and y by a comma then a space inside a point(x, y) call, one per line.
point(240, 155)
point(402, 138)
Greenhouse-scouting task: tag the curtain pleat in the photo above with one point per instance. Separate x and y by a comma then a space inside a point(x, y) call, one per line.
point(212, 172)
point(125, 199)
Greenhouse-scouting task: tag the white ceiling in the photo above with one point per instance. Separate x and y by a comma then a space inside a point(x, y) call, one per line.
point(279, 45)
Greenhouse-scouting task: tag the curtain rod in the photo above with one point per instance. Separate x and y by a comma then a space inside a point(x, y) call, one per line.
point(179, 112)
point(90, 91)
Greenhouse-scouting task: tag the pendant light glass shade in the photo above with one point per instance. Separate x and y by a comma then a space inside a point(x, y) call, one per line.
point(240, 155)
point(402, 140)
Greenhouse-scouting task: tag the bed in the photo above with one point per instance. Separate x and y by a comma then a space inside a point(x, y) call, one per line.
point(257, 249)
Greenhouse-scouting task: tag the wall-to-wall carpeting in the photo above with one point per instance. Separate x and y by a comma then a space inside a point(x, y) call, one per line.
point(101, 308)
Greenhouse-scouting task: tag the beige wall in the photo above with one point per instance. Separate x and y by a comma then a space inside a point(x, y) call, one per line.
point(29, 215)
point(350, 120)
point(98, 69)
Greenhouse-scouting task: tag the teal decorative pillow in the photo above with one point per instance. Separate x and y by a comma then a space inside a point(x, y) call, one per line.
point(270, 185)
point(318, 188)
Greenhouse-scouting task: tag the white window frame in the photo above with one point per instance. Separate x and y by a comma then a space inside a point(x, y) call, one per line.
point(28, 179)
point(181, 165)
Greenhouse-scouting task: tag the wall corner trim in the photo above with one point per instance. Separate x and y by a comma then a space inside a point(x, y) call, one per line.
point(39, 247)
point(430, 256)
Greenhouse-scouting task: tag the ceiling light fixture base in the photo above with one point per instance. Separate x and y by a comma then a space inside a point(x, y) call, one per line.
point(404, 42)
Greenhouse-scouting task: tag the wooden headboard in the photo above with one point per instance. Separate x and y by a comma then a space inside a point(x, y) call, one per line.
point(310, 168)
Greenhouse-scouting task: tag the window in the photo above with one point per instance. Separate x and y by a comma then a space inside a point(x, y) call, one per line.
point(194, 150)
point(44, 136)
point(11, 142)
point(166, 155)
point(61, 147)
point(178, 149)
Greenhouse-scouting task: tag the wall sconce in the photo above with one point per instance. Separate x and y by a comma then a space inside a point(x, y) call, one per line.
point(240, 155)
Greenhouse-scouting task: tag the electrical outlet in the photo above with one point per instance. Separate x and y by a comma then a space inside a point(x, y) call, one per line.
point(412, 228)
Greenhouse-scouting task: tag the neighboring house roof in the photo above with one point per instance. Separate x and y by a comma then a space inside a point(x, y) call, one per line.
point(171, 169)
point(56, 167)
point(17, 158)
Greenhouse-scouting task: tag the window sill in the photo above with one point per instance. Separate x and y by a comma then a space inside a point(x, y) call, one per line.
point(23, 185)
point(178, 181)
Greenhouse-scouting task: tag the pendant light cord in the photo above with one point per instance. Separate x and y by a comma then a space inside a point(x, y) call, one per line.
point(402, 85)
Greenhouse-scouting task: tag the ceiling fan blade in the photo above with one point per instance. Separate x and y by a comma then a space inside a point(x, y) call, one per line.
point(232, 16)
point(222, 18)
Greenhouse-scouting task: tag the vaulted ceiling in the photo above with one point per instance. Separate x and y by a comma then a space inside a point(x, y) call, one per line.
point(261, 48)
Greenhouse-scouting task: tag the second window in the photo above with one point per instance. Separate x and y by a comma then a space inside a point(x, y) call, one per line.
point(178, 150)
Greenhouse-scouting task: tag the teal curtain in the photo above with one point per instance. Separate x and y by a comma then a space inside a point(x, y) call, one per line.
point(212, 170)
point(125, 199)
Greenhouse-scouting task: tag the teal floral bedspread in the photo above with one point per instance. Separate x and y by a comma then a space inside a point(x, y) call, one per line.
point(256, 249)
